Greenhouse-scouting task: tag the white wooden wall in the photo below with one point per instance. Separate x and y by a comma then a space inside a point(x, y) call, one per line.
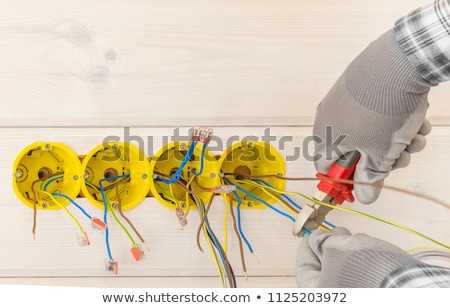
point(77, 71)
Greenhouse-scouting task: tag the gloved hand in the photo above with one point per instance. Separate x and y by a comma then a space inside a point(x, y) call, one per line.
point(338, 259)
point(379, 104)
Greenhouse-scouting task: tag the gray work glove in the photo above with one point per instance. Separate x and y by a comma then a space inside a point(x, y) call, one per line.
point(379, 105)
point(338, 259)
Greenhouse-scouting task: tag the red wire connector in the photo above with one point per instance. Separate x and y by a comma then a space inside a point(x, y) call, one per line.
point(83, 239)
point(137, 253)
point(202, 134)
point(98, 225)
point(111, 266)
point(181, 215)
point(223, 189)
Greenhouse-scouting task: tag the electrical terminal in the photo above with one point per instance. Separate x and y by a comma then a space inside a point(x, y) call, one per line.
point(223, 189)
point(181, 215)
point(98, 224)
point(202, 134)
point(137, 253)
point(83, 239)
point(111, 266)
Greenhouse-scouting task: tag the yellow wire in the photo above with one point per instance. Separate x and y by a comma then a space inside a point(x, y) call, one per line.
point(173, 198)
point(188, 184)
point(264, 189)
point(65, 209)
point(360, 214)
point(219, 268)
point(117, 219)
point(225, 227)
point(165, 193)
point(269, 194)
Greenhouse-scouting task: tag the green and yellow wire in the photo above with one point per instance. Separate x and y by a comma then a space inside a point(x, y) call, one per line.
point(349, 211)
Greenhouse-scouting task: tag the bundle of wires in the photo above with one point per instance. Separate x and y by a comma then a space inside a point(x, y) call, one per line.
point(218, 251)
point(257, 182)
point(107, 208)
point(54, 195)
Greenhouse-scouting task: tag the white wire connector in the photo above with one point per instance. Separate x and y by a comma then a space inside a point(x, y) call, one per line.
point(83, 239)
point(137, 252)
point(111, 266)
point(202, 134)
point(181, 215)
point(223, 189)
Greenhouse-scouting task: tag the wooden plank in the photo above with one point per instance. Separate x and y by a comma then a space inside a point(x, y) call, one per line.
point(157, 63)
point(173, 252)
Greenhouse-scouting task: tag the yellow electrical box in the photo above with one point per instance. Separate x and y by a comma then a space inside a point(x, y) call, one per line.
point(247, 159)
point(194, 174)
point(115, 164)
point(53, 164)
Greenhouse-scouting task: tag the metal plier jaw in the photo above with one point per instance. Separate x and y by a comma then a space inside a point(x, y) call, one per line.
point(312, 215)
point(331, 192)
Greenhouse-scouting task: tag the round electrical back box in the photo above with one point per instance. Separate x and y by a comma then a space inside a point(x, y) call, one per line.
point(194, 173)
point(44, 168)
point(117, 171)
point(252, 159)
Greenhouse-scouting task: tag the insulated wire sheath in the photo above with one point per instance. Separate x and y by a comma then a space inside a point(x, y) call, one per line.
point(220, 270)
point(241, 250)
point(118, 221)
point(119, 208)
point(262, 201)
point(43, 188)
point(365, 215)
point(202, 158)
point(105, 211)
point(238, 211)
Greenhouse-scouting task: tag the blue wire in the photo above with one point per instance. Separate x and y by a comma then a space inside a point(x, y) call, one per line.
point(202, 158)
point(214, 239)
point(66, 196)
point(177, 175)
point(51, 181)
point(74, 203)
point(295, 204)
point(284, 195)
point(263, 201)
point(238, 209)
point(105, 210)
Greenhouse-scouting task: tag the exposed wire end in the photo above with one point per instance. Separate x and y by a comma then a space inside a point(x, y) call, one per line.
point(223, 189)
point(181, 215)
point(83, 239)
point(245, 275)
point(202, 134)
point(256, 258)
point(137, 253)
point(146, 246)
point(111, 266)
point(98, 224)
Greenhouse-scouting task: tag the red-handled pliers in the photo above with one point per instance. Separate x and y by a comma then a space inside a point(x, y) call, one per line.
point(313, 214)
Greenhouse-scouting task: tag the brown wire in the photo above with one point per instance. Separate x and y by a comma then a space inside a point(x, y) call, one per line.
point(33, 230)
point(202, 222)
point(182, 186)
point(281, 199)
point(241, 250)
point(345, 181)
point(227, 262)
point(119, 207)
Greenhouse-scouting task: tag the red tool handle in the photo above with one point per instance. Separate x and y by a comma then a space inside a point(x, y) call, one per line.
point(343, 168)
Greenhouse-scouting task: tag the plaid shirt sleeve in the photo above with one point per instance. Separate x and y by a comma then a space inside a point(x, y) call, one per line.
point(424, 37)
point(418, 276)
